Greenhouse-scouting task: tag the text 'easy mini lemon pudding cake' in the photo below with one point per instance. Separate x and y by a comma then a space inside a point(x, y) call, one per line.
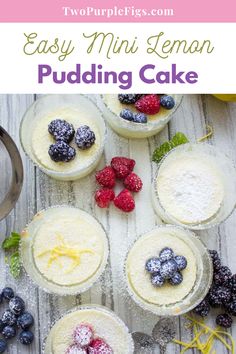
point(195, 186)
point(168, 271)
point(64, 250)
point(64, 135)
point(89, 329)
point(139, 115)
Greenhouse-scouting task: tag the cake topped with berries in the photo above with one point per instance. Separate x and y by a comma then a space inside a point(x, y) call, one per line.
point(89, 330)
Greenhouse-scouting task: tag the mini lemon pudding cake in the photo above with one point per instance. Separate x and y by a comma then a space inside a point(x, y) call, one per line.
point(66, 135)
point(64, 250)
point(168, 271)
point(192, 186)
point(89, 329)
point(139, 116)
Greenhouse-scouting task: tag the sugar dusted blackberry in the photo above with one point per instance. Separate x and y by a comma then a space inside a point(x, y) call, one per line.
point(202, 309)
point(176, 279)
point(9, 318)
point(61, 152)
point(231, 307)
point(181, 262)
point(215, 259)
point(224, 320)
point(168, 269)
point(128, 98)
point(84, 137)
point(166, 254)
point(222, 275)
point(61, 130)
point(219, 295)
point(153, 265)
point(157, 280)
point(232, 283)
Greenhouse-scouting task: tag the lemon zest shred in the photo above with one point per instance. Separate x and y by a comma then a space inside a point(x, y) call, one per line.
point(208, 135)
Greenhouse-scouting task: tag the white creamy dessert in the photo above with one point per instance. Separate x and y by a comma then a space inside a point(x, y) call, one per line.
point(190, 186)
point(168, 298)
point(104, 323)
point(67, 247)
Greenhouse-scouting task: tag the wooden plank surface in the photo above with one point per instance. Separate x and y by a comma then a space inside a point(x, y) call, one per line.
point(39, 191)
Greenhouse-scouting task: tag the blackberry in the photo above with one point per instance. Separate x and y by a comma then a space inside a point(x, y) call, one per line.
point(232, 283)
point(140, 118)
point(181, 262)
point(157, 280)
point(7, 293)
point(9, 318)
point(61, 152)
point(167, 102)
point(26, 337)
point(168, 269)
point(127, 114)
point(166, 254)
point(9, 332)
point(128, 98)
point(218, 296)
point(224, 320)
point(202, 309)
point(153, 265)
point(84, 137)
point(61, 130)
point(215, 259)
point(231, 307)
point(25, 320)
point(17, 305)
point(3, 345)
point(176, 279)
point(222, 276)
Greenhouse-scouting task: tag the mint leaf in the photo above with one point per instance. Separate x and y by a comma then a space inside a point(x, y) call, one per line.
point(11, 242)
point(14, 264)
point(179, 139)
point(163, 149)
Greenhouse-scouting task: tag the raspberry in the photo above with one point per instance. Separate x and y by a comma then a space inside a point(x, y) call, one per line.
point(99, 346)
point(61, 152)
point(103, 197)
point(224, 320)
point(61, 130)
point(133, 182)
point(74, 349)
point(83, 335)
point(222, 276)
point(128, 98)
point(122, 166)
point(125, 201)
point(106, 177)
point(202, 309)
point(148, 104)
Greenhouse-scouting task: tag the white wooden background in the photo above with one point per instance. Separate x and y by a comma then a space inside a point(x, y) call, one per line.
point(39, 191)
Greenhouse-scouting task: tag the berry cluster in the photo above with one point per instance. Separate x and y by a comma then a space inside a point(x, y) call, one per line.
point(166, 267)
point(222, 293)
point(64, 132)
point(145, 104)
point(120, 168)
point(84, 342)
point(15, 316)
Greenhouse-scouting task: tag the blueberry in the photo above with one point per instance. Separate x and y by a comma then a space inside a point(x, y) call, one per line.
point(153, 265)
point(181, 262)
point(167, 102)
point(9, 318)
point(157, 280)
point(9, 332)
point(2, 325)
point(61, 152)
point(176, 279)
point(84, 137)
point(140, 118)
point(127, 114)
point(168, 269)
point(26, 337)
point(166, 254)
point(61, 130)
point(7, 293)
point(128, 98)
point(17, 305)
point(25, 320)
point(3, 345)
point(1, 297)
